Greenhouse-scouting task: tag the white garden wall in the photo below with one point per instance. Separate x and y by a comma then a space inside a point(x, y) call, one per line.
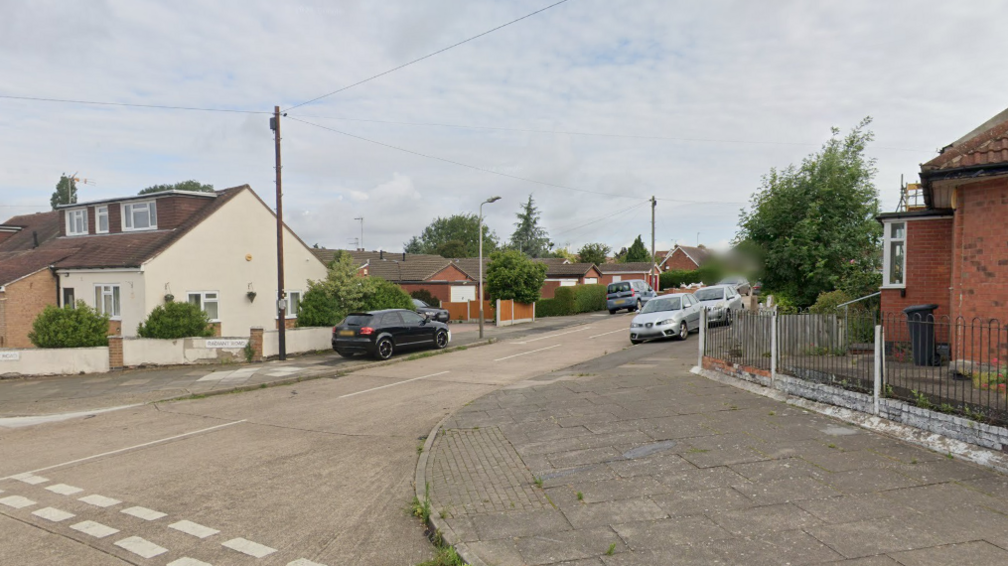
point(155, 352)
point(299, 340)
point(50, 361)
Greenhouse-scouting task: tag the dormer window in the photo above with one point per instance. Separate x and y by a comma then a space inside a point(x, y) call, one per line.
point(76, 222)
point(139, 216)
point(101, 220)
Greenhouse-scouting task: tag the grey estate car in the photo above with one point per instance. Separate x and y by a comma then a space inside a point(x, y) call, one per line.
point(630, 295)
point(666, 316)
point(721, 301)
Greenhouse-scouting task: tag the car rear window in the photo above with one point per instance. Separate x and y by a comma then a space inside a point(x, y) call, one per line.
point(621, 287)
point(710, 294)
point(357, 320)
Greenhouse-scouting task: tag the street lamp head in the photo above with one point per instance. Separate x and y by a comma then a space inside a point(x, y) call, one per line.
point(491, 200)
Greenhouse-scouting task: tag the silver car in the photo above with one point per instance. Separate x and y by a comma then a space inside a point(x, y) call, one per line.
point(666, 316)
point(721, 301)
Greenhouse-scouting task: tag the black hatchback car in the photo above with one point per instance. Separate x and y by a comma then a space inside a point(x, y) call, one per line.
point(382, 333)
point(440, 315)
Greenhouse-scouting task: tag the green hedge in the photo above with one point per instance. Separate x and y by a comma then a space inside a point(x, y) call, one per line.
point(708, 275)
point(79, 326)
point(175, 320)
point(573, 300)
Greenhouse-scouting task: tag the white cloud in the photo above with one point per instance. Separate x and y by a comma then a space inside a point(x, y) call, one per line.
point(743, 73)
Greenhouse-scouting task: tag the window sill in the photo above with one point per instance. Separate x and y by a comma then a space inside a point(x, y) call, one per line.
point(885, 287)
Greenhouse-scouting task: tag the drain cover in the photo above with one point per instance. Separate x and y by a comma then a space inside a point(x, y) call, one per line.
point(648, 449)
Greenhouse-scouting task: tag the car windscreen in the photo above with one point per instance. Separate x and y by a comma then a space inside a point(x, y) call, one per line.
point(419, 304)
point(709, 294)
point(621, 287)
point(730, 281)
point(357, 320)
point(662, 305)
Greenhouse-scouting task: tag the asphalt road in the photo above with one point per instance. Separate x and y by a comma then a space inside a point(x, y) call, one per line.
point(315, 473)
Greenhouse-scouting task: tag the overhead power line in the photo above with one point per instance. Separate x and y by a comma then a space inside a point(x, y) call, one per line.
point(484, 170)
point(131, 105)
point(591, 134)
point(605, 218)
point(428, 56)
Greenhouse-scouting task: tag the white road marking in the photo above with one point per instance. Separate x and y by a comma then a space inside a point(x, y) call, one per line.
point(284, 371)
point(215, 376)
point(392, 384)
point(143, 513)
point(100, 500)
point(194, 529)
point(31, 479)
point(51, 514)
point(253, 549)
point(17, 502)
point(301, 562)
point(141, 547)
point(97, 530)
point(527, 353)
point(144, 445)
point(64, 489)
point(581, 329)
point(18, 422)
point(186, 561)
point(627, 330)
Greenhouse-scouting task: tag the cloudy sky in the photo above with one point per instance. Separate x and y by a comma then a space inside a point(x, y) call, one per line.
point(696, 100)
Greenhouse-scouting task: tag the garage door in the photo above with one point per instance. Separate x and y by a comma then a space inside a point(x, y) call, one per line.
point(463, 293)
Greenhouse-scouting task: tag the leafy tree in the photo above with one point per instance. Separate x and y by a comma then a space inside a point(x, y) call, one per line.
point(65, 193)
point(456, 229)
point(593, 253)
point(343, 291)
point(453, 249)
point(190, 185)
point(70, 327)
point(637, 252)
point(426, 296)
point(511, 275)
point(528, 237)
point(814, 225)
point(175, 320)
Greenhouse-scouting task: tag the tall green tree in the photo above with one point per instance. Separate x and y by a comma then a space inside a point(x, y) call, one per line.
point(529, 237)
point(637, 252)
point(190, 185)
point(457, 235)
point(65, 193)
point(593, 253)
point(813, 225)
point(512, 275)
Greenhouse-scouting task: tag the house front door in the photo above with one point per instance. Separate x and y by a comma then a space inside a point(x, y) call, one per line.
point(68, 297)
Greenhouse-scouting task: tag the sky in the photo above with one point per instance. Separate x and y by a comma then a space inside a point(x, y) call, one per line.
point(595, 105)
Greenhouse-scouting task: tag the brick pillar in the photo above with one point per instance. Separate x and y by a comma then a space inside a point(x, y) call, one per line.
point(216, 329)
point(115, 352)
point(256, 339)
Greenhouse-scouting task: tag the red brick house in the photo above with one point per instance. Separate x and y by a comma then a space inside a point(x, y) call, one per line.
point(648, 271)
point(948, 243)
point(560, 274)
point(683, 258)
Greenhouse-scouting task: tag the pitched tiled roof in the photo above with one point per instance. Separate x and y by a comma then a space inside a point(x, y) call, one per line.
point(568, 269)
point(634, 267)
point(413, 269)
point(44, 225)
point(697, 254)
point(470, 266)
point(128, 249)
point(326, 255)
point(985, 145)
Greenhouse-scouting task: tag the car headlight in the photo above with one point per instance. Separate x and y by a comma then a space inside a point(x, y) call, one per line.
point(720, 305)
point(664, 322)
point(635, 325)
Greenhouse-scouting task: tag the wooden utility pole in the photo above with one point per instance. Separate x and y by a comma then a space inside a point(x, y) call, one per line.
point(281, 304)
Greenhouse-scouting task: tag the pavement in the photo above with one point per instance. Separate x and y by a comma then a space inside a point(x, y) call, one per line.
point(314, 473)
point(630, 459)
point(54, 397)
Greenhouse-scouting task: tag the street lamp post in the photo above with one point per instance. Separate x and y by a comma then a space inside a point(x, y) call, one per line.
point(480, 282)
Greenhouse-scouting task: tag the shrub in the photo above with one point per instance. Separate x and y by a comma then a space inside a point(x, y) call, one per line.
point(381, 294)
point(70, 327)
point(426, 296)
point(318, 307)
point(175, 320)
point(511, 275)
point(566, 301)
point(827, 302)
point(590, 298)
point(548, 307)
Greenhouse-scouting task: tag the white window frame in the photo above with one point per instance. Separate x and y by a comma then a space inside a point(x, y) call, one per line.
point(72, 216)
point(591, 280)
point(112, 290)
point(203, 300)
point(887, 241)
point(101, 213)
point(127, 215)
point(287, 309)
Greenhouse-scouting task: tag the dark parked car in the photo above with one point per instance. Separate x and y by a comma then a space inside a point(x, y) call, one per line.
point(382, 333)
point(630, 295)
point(437, 314)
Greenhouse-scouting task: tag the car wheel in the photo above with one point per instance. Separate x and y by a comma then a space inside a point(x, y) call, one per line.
point(384, 349)
point(441, 340)
point(612, 311)
point(683, 331)
point(345, 354)
point(635, 342)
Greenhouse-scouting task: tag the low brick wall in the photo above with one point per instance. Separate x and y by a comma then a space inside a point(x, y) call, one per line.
point(959, 428)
